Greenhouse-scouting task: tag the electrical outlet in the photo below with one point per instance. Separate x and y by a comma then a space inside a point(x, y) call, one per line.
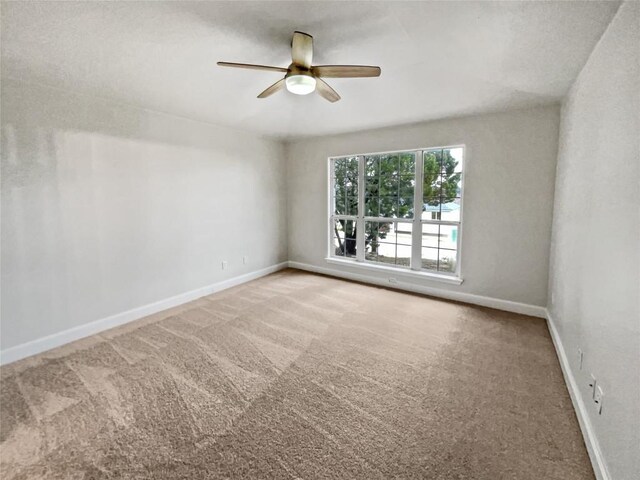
point(592, 385)
point(224, 264)
point(598, 398)
point(245, 259)
point(580, 358)
point(393, 280)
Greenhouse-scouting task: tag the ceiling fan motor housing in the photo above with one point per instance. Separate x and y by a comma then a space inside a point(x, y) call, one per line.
point(298, 70)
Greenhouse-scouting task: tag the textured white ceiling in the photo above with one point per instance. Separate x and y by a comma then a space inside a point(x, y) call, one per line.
point(438, 59)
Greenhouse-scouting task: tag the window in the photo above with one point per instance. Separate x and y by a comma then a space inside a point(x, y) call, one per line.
point(398, 209)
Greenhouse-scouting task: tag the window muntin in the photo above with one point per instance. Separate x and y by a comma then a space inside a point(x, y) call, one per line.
point(373, 216)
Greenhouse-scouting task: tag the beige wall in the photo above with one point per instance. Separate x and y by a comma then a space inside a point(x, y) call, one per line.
point(106, 208)
point(595, 253)
point(508, 198)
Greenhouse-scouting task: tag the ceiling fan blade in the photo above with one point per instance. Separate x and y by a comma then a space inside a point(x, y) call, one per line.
point(302, 49)
point(326, 91)
point(345, 71)
point(253, 67)
point(276, 87)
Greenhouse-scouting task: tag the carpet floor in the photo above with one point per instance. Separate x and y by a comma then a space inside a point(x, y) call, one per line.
point(297, 376)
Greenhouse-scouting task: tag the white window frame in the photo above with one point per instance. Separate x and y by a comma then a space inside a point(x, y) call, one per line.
point(415, 269)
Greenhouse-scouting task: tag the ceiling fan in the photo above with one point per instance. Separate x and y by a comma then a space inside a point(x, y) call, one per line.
point(301, 77)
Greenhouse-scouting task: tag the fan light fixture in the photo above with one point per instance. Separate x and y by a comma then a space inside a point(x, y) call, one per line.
point(300, 84)
point(301, 77)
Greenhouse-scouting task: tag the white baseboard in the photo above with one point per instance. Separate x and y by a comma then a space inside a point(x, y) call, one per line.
point(66, 336)
point(506, 305)
point(590, 439)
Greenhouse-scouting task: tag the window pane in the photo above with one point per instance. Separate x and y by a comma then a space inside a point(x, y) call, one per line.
point(388, 206)
point(371, 206)
point(407, 164)
point(371, 189)
point(447, 261)
point(390, 179)
point(402, 233)
point(430, 235)
point(388, 186)
point(431, 210)
point(405, 207)
point(431, 189)
point(449, 186)
point(351, 205)
point(339, 200)
point(337, 251)
point(345, 180)
point(448, 237)
point(344, 238)
point(451, 210)
point(370, 256)
point(403, 255)
point(406, 185)
point(338, 164)
point(386, 253)
point(378, 246)
point(403, 230)
point(389, 164)
point(371, 166)
point(430, 259)
point(456, 153)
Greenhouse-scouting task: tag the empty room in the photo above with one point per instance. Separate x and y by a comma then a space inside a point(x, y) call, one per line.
point(320, 240)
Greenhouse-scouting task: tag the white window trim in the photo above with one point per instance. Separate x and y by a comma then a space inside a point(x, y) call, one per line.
point(397, 271)
point(415, 270)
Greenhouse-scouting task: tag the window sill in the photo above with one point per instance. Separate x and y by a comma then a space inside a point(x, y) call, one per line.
point(396, 271)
